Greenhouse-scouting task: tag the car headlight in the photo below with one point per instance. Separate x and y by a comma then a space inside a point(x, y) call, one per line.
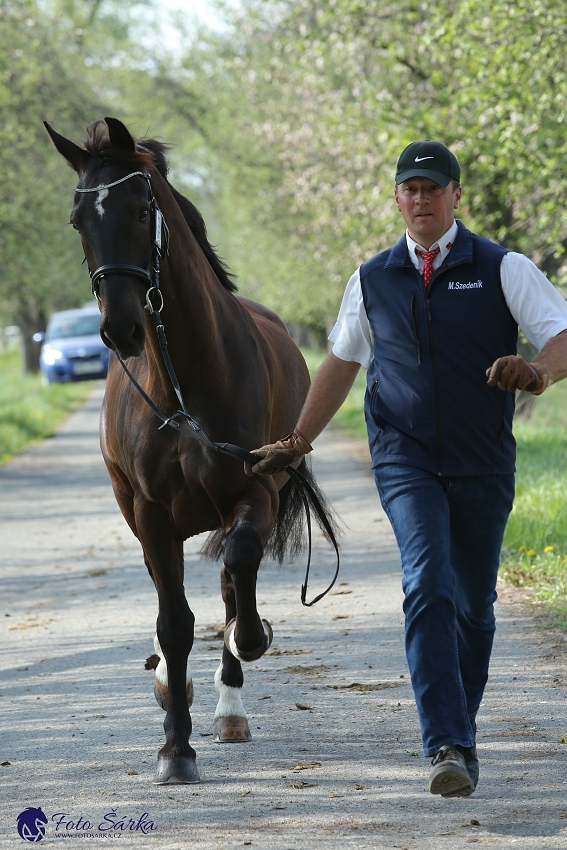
point(51, 355)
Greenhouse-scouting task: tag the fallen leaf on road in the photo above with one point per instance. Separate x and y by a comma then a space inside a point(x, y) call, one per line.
point(289, 652)
point(307, 669)
point(309, 765)
point(363, 687)
point(301, 784)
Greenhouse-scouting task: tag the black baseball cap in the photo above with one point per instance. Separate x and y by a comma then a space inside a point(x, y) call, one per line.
point(428, 159)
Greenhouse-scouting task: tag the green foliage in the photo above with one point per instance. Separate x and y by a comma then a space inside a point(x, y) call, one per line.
point(39, 78)
point(29, 412)
point(62, 61)
point(306, 105)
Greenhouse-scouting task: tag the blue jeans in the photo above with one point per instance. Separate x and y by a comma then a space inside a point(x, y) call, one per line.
point(449, 531)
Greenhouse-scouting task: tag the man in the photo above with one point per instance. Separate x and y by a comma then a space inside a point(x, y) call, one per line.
point(435, 320)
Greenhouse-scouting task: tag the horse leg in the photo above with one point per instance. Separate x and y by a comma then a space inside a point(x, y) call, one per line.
point(175, 630)
point(246, 636)
point(230, 723)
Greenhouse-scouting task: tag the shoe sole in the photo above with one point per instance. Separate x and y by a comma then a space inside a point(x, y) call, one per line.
point(448, 781)
point(464, 792)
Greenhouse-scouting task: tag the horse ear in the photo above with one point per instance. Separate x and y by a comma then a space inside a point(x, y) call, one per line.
point(119, 135)
point(76, 157)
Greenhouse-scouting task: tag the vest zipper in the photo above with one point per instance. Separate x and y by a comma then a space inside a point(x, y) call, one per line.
point(415, 318)
point(435, 386)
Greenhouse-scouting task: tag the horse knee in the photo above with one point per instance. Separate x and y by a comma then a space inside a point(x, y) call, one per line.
point(243, 549)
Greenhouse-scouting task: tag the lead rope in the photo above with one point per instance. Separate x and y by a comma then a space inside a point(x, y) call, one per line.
point(195, 431)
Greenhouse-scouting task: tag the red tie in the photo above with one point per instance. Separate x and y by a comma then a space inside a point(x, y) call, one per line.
point(428, 257)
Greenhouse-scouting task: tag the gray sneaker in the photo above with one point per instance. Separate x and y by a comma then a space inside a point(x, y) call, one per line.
point(449, 774)
point(471, 761)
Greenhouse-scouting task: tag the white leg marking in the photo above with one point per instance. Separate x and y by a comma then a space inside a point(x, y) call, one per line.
point(99, 199)
point(230, 701)
point(161, 669)
point(233, 650)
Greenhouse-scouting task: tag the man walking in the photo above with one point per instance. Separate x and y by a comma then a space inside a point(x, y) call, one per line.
point(435, 320)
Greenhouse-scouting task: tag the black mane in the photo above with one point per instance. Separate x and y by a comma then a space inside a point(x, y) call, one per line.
point(151, 153)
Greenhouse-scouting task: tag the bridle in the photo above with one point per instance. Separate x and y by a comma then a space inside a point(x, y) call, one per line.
point(160, 247)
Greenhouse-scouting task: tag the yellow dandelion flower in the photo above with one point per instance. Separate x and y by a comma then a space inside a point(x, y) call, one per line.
point(531, 552)
point(548, 549)
point(522, 549)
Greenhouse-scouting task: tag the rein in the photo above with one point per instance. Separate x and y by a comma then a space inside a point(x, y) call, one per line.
point(160, 242)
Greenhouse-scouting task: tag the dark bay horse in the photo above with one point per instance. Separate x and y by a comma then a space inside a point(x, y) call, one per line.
point(242, 379)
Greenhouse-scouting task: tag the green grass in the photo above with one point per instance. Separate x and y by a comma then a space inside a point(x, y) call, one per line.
point(29, 412)
point(535, 544)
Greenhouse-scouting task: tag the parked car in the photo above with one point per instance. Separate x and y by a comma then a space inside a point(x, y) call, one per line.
point(72, 349)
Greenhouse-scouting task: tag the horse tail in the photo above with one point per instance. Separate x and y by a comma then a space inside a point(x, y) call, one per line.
point(287, 539)
point(288, 535)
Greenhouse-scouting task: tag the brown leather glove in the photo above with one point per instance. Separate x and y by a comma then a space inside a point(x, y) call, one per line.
point(513, 373)
point(275, 457)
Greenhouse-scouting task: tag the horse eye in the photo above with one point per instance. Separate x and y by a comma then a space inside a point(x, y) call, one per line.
point(143, 215)
point(73, 225)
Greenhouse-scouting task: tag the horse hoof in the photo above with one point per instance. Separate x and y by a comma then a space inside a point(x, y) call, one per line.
point(176, 771)
point(161, 694)
point(254, 654)
point(231, 730)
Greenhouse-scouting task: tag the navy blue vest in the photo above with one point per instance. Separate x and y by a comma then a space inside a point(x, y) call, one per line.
point(427, 401)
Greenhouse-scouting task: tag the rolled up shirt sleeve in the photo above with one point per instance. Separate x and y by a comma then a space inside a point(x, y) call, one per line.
point(352, 336)
point(536, 305)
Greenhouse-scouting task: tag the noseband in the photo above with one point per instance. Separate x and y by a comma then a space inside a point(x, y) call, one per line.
point(160, 245)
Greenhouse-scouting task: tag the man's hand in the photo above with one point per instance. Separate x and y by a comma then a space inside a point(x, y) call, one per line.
point(275, 457)
point(512, 373)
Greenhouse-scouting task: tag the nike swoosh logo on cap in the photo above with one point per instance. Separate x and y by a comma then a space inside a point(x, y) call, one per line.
point(421, 158)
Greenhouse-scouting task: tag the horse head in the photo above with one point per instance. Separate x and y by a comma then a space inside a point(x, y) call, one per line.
point(117, 217)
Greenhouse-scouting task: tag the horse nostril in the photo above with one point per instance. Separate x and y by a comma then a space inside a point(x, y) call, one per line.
point(138, 335)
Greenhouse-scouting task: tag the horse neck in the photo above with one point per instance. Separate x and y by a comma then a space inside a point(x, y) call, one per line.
point(194, 304)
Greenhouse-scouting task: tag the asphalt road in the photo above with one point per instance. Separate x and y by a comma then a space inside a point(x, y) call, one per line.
point(335, 760)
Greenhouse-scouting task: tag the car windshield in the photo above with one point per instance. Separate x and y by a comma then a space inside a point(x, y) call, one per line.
point(63, 327)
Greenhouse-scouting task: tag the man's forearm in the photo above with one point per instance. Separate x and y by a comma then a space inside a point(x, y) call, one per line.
point(552, 360)
point(329, 389)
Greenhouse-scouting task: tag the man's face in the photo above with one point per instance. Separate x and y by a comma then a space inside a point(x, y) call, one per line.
point(427, 208)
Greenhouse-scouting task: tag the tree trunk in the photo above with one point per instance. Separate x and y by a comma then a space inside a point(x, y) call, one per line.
point(29, 324)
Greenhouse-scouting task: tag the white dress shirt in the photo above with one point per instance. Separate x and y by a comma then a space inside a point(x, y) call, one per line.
point(535, 304)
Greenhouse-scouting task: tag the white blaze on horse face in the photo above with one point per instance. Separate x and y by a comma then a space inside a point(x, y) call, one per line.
point(161, 669)
point(99, 199)
point(230, 701)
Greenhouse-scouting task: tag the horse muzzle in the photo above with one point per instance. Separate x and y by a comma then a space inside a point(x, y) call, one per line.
point(126, 338)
